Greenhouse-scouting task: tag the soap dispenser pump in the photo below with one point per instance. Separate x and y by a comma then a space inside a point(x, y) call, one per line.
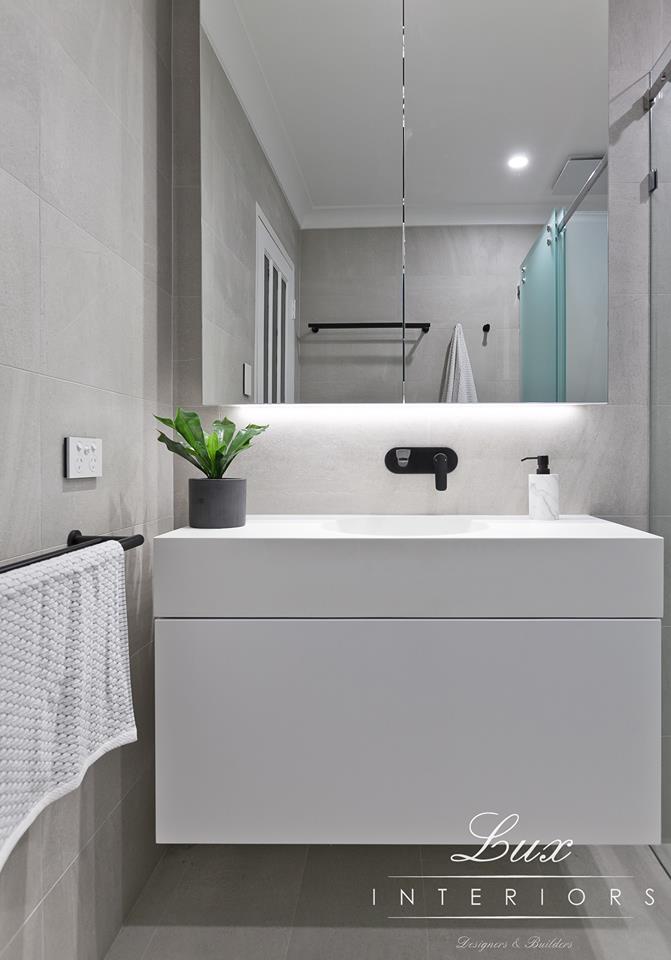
point(543, 490)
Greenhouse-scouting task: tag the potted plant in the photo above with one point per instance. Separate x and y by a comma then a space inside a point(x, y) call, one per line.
point(215, 500)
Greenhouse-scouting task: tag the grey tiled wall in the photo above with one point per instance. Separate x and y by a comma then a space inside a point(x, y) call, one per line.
point(85, 348)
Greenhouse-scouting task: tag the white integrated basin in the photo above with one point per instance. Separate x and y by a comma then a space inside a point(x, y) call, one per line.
point(385, 525)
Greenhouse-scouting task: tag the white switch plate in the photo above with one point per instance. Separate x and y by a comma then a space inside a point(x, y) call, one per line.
point(246, 379)
point(83, 457)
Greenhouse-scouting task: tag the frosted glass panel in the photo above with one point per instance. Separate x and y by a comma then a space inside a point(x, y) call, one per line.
point(541, 318)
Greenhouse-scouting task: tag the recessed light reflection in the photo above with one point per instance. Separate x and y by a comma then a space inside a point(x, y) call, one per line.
point(518, 161)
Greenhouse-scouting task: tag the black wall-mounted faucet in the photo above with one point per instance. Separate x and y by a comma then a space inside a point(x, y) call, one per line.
point(436, 460)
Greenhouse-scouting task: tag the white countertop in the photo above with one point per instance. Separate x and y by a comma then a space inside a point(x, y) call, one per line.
point(425, 526)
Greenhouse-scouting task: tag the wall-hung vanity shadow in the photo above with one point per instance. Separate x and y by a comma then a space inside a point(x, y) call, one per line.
point(347, 233)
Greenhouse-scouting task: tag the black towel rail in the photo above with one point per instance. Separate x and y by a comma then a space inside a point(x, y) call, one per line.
point(76, 541)
point(316, 326)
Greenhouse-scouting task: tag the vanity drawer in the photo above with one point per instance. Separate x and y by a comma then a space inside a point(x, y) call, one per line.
point(400, 731)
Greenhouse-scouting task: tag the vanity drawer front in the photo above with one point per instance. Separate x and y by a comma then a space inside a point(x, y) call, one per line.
point(462, 578)
point(400, 731)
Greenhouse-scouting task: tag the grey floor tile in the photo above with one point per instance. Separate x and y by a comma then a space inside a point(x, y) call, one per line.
point(131, 943)
point(354, 943)
point(219, 943)
point(238, 886)
point(151, 906)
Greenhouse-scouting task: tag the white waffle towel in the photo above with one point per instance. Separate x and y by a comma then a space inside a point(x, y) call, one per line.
point(65, 694)
point(458, 384)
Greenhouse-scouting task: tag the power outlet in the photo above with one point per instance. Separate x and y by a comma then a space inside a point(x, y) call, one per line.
point(83, 457)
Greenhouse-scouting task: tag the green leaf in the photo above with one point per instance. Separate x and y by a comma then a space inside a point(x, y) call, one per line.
point(189, 426)
point(166, 421)
point(242, 441)
point(224, 429)
point(219, 464)
point(212, 444)
point(181, 450)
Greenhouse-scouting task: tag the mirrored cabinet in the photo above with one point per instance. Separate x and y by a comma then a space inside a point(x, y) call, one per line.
point(398, 206)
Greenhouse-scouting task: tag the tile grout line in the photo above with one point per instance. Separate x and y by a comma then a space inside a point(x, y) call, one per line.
point(44, 27)
point(285, 955)
point(426, 925)
point(87, 386)
point(115, 531)
point(66, 216)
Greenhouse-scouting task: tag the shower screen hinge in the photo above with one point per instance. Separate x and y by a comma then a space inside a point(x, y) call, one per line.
point(652, 181)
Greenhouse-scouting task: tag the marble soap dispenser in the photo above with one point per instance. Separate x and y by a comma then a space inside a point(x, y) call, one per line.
point(543, 490)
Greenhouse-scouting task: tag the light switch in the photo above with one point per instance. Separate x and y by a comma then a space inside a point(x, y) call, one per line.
point(83, 457)
point(247, 380)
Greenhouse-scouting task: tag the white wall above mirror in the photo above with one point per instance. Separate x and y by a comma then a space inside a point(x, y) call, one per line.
point(358, 247)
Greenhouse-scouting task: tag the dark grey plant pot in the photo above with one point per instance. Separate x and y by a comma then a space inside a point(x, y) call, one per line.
point(217, 503)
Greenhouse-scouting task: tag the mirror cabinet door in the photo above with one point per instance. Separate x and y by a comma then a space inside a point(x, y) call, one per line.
point(301, 201)
point(501, 135)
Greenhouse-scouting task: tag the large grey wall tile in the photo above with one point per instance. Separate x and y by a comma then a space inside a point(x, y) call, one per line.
point(660, 446)
point(156, 19)
point(187, 327)
point(19, 274)
point(19, 91)
point(660, 309)
point(105, 41)
point(628, 348)
point(91, 168)
point(21, 883)
point(138, 757)
point(628, 150)
point(633, 30)
point(628, 239)
point(186, 253)
point(228, 288)
point(186, 75)
point(228, 207)
point(141, 853)
point(93, 310)
point(83, 912)
point(139, 566)
point(20, 481)
point(660, 233)
point(81, 148)
point(68, 824)
point(188, 382)
point(661, 525)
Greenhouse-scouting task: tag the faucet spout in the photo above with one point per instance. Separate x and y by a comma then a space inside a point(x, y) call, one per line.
point(440, 465)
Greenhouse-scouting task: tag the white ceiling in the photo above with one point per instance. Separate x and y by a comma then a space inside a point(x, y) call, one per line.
point(320, 81)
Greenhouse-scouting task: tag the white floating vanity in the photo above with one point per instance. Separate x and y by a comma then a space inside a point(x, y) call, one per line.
point(383, 679)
